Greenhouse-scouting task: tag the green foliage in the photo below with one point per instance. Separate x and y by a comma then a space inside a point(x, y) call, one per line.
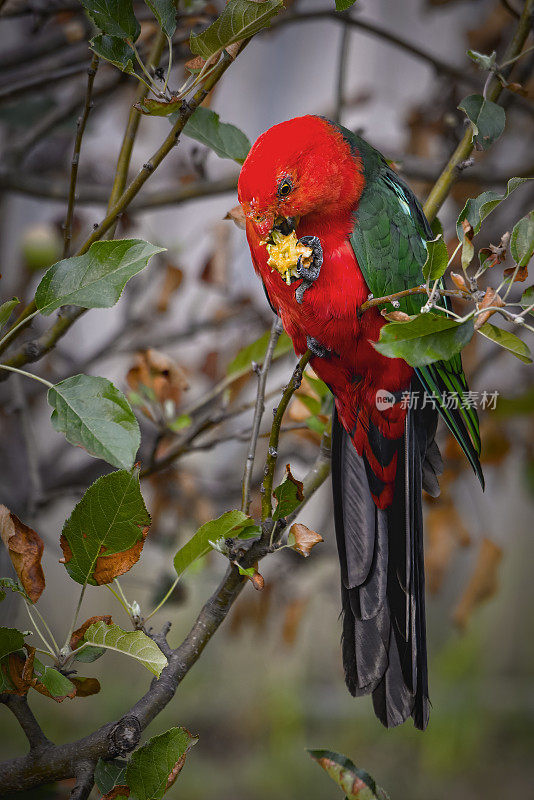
point(508, 340)
point(344, 5)
point(109, 774)
point(224, 139)
point(56, 683)
point(424, 339)
point(96, 279)
point(165, 13)
point(239, 20)
point(151, 766)
point(356, 783)
point(229, 525)
point(477, 209)
point(522, 240)
point(438, 257)
point(114, 50)
point(289, 495)
point(108, 520)
point(95, 415)
point(135, 644)
point(114, 17)
point(487, 118)
point(6, 309)
point(255, 352)
point(11, 640)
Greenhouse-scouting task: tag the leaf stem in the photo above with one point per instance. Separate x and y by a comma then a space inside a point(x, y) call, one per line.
point(49, 647)
point(163, 600)
point(117, 597)
point(16, 327)
point(75, 618)
point(27, 375)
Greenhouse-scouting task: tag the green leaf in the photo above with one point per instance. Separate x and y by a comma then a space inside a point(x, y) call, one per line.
point(165, 13)
point(135, 644)
point(516, 406)
point(522, 240)
point(289, 495)
point(229, 525)
point(437, 256)
point(6, 309)
point(507, 340)
point(95, 415)
point(159, 108)
point(150, 766)
point(13, 586)
point(239, 20)
point(115, 17)
point(255, 351)
point(315, 424)
point(477, 209)
point(344, 5)
point(114, 50)
point(56, 683)
point(88, 654)
point(313, 404)
point(6, 684)
point(527, 299)
point(356, 783)
point(224, 139)
point(483, 61)
point(109, 774)
point(488, 119)
point(424, 339)
point(11, 640)
point(108, 520)
point(96, 279)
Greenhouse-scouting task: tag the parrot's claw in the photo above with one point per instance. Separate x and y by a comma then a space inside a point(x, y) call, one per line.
point(311, 273)
point(317, 348)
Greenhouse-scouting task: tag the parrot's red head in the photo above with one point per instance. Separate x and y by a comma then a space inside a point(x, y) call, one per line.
point(299, 168)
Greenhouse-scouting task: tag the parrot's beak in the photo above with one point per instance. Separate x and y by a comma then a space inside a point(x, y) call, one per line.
point(285, 225)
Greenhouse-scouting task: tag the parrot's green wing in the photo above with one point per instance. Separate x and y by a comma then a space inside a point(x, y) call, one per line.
point(389, 240)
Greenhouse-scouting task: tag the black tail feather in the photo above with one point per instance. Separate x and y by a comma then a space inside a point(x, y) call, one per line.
point(382, 571)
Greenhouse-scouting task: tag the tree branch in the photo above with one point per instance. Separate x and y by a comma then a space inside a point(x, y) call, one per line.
point(464, 149)
point(121, 737)
point(272, 453)
point(80, 130)
point(34, 733)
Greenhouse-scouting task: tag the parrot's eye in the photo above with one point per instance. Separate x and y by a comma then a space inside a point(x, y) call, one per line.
point(284, 187)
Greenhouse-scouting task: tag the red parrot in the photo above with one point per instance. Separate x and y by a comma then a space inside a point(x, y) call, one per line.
point(367, 235)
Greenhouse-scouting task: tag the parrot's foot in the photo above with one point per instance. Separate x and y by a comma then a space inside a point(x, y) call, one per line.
point(317, 348)
point(311, 273)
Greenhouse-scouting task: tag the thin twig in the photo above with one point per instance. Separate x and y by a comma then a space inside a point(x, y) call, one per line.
point(272, 452)
point(80, 129)
point(276, 330)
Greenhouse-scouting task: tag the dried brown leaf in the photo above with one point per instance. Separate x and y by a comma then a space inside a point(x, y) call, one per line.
point(25, 548)
point(292, 619)
point(303, 539)
point(237, 215)
point(395, 316)
point(520, 275)
point(459, 281)
point(117, 791)
point(158, 373)
point(85, 687)
point(109, 567)
point(491, 298)
point(171, 282)
point(482, 585)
